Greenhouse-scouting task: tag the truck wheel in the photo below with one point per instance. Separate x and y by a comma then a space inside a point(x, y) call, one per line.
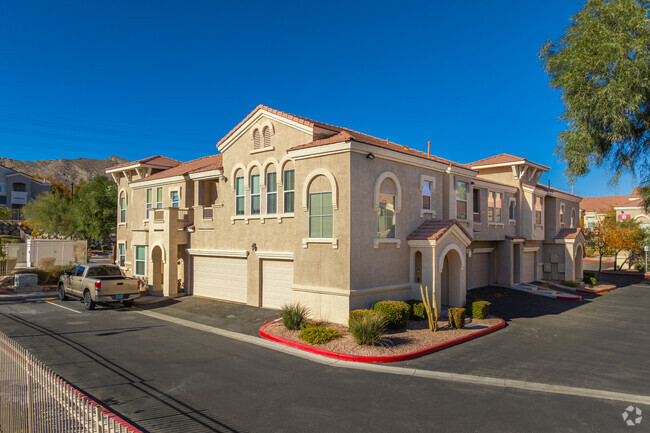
point(89, 304)
point(128, 304)
point(62, 295)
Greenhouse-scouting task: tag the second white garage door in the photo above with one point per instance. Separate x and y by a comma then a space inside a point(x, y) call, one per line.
point(528, 268)
point(277, 278)
point(220, 278)
point(480, 270)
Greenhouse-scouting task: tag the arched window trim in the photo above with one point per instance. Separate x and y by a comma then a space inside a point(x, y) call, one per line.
point(248, 171)
point(256, 135)
point(398, 193)
point(238, 166)
point(265, 166)
point(443, 254)
point(310, 177)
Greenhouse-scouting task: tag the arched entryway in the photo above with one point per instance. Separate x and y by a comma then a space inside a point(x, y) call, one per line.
point(157, 269)
point(450, 279)
point(577, 263)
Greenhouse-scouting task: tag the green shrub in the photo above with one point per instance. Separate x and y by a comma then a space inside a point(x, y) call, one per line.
point(457, 317)
point(589, 252)
point(588, 279)
point(417, 310)
point(395, 312)
point(570, 284)
point(318, 334)
point(368, 329)
point(294, 316)
point(588, 274)
point(479, 309)
point(640, 266)
point(357, 313)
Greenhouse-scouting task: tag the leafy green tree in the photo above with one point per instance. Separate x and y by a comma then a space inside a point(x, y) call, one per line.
point(50, 213)
point(602, 66)
point(95, 209)
point(5, 214)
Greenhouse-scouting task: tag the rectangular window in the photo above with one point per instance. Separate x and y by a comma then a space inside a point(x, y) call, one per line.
point(461, 200)
point(476, 204)
point(159, 197)
point(122, 248)
point(3, 188)
point(495, 200)
point(321, 215)
point(426, 195)
point(562, 215)
point(289, 185)
point(123, 209)
point(386, 217)
point(271, 193)
point(591, 222)
point(539, 204)
point(240, 197)
point(140, 259)
point(3, 199)
point(176, 199)
point(255, 194)
point(511, 209)
point(149, 200)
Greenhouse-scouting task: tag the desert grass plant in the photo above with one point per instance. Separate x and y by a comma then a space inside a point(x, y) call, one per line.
point(432, 313)
point(396, 313)
point(318, 334)
point(368, 329)
point(294, 316)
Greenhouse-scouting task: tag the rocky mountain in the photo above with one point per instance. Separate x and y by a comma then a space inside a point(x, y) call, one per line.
point(64, 170)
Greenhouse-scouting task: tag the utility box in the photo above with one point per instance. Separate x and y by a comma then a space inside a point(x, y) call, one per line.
point(25, 280)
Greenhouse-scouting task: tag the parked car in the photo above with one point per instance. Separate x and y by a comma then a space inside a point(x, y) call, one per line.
point(98, 283)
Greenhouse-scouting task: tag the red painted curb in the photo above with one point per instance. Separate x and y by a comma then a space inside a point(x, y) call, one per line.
point(569, 298)
point(597, 261)
point(392, 358)
point(629, 273)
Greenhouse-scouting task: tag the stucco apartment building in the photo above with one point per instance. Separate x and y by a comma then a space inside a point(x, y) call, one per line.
point(17, 189)
point(295, 210)
point(626, 207)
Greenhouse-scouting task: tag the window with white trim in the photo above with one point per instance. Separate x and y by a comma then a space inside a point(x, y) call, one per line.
point(289, 190)
point(591, 222)
point(495, 203)
point(539, 206)
point(271, 193)
point(321, 215)
point(387, 216)
point(123, 208)
point(512, 209)
point(159, 197)
point(149, 200)
point(562, 215)
point(175, 198)
point(122, 257)
point(240, 196)
point(476, 204)
point(426, 195)
point(140, 260)
point(461, 200)
point(255, 194)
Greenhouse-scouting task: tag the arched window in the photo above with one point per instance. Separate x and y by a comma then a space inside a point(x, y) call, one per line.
point(256, 139)
point(271, 192)
point(289, 187)
point(240, 193)
point(266, 133)
point(387, 211)
point(123, 207)
point(321, 210)
point(256, 200)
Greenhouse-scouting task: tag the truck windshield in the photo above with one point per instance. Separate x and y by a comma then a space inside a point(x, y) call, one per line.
point(104, 271)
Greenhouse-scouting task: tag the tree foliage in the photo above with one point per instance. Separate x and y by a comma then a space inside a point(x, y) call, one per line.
point(91, 215)
point(5, 213)
point(602, 66)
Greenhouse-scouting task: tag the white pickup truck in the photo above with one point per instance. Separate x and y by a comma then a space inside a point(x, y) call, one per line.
point(97, 283)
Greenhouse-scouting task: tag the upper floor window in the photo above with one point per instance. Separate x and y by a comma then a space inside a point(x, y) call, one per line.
point(122, 257)
point(495, 200)
point(122, 208)
point(159, 197)
point(386, 216)
point(476, 204)
point(255, 194)
point(240, 196)
point(562, 215)
point(176, 200)
point(266, 134)
point(3, 188)
point(573, 218)
point(539, 206)
point(426, 195)
point(289, 190)
point(512, 206)
point(256, 139)
point(321, 215)
point(591, 222)
point(149, 200)
point(271, 193)
point(461, 200)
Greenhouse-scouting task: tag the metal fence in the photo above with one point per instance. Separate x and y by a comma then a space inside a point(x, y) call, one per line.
point(34, 399)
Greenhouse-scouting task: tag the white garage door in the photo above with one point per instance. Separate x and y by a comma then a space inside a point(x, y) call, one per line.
point(480, 270)
point(220, 278)
point(277, 278)
point(528, 268)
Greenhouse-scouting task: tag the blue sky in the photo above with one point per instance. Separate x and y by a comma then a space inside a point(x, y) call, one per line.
point(132, 79)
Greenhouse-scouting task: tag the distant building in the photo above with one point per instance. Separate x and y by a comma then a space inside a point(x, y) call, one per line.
point(17, 189)
point(626, 207)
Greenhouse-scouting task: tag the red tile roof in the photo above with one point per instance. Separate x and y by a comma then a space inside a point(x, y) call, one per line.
point(434, 229)
point(156, 161)
point(503, 158)
point(602, 204)
point(568, 233)
point(207, 163)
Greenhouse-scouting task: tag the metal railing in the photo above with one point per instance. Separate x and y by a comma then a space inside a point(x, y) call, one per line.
point(34, 399)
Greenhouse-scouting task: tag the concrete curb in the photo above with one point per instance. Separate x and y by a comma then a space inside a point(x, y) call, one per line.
point(598, 292)
point(12, 298)
point(383, 359)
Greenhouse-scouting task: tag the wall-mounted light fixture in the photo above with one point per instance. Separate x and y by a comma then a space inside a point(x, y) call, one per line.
point(224, 178)
point(254, 246)
point(370, 156)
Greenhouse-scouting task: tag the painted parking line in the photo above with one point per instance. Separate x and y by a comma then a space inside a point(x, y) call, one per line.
point(61, 306)
point(402, 371)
